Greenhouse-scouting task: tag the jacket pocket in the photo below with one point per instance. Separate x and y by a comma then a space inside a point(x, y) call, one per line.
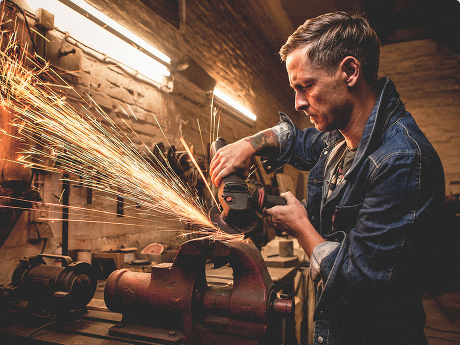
point(345, 217)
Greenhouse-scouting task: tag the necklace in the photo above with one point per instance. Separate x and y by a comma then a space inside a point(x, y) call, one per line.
point(352, 150)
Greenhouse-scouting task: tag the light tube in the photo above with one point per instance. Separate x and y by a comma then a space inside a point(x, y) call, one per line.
point(89, 33)
point(234, 104)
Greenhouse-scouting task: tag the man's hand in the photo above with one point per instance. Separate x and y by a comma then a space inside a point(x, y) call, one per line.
point(238, 157)
point(232, 158)
point(293, 218)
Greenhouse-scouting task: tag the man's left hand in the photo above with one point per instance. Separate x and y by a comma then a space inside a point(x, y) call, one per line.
point(293, 218)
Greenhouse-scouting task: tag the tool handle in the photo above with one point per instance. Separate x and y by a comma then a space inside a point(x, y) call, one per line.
point(260, 200)
point(273, 200)
point(216, 145)
point(65, 260)
point(304, 203)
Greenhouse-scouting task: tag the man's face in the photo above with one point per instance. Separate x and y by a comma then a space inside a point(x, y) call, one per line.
point(324, 98)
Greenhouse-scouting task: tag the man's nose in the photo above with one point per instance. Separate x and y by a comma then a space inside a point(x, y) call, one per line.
point(301, 102)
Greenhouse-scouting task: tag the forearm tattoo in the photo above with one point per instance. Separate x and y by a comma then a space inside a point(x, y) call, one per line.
point(265, 143)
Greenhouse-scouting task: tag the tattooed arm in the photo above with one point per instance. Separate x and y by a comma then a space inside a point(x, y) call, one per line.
point(238, 156)
point(265, 143)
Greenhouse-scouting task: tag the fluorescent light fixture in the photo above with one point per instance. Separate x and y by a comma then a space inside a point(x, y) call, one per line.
point(234, 104)
point(95, 36)
point(114, 25)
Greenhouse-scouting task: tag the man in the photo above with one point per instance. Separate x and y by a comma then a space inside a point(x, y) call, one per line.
point(375, 187)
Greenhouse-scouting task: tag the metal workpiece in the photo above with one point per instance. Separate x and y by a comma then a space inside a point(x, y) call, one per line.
point(177, 298)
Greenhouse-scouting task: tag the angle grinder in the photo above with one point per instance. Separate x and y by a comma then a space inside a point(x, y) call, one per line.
point(238, 206)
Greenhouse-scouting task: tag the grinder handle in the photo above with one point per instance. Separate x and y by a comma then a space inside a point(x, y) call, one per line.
point(273, 200)
point(216, 145)
point(261, 200)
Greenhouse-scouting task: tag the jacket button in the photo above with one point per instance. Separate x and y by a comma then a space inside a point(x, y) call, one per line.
point(313, 217)
point(320, 339)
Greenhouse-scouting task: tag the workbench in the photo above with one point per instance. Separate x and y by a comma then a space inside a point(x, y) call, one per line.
point(92, 327)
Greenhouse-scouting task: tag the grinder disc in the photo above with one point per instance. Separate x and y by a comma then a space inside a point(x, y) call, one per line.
point(243, 225)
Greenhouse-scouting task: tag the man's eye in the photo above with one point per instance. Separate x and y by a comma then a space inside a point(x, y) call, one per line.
point(300, 88)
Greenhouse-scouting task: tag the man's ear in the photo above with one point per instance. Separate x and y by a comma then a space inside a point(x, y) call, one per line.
point(351, 69)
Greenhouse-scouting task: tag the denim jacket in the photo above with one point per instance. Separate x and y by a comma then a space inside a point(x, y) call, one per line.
point(381, 225)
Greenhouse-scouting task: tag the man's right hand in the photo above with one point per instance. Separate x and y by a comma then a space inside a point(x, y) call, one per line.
point(232, 158)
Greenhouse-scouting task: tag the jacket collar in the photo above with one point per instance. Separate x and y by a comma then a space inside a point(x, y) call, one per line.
point(382, 116)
